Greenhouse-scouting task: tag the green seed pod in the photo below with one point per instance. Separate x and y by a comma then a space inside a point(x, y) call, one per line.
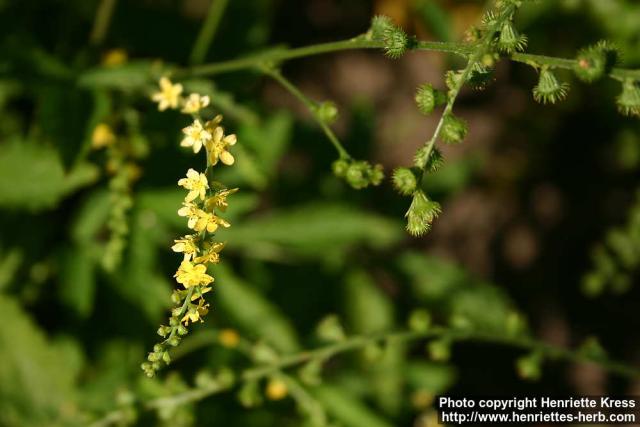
point(427, 98)
point(404, 180)
point(421, 214)
point(510, 41)
point(380, 25)
point(340, 168)
point(591, 64)
point(327, 112)
point(376, 174)
point(396, 42)
point(453, 130)
point(357, 175)
point(549, 90)
point(629, 100)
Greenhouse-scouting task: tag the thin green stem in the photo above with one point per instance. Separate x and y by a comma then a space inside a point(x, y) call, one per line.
point(311, 105)
point(208, 31)
point(283, 54)
point(102, 21)
point(538, 61)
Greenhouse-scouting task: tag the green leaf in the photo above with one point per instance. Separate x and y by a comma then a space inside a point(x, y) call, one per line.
point(435, 378)
point(36, 382)
point(31, 176)
point(131, 76)
point(252, 312)
point(77, 280)
point(347, 409)
point(368, 309)
point(431, 278)
point(318, 230)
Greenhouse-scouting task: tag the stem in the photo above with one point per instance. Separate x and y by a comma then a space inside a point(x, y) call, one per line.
point(569, 64)
point(312, 106)
point(283, 54)
point(102, 21)
point(208, 31)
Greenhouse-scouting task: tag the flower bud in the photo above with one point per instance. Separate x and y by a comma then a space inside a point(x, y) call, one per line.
point(419, 321)
point(327, 112)
point(329, 329)
point(404, 180)
point(439, 350)
point(453, 129)
point(356, 175)
point(529, 367)
point(380, 25)
point(340, 168)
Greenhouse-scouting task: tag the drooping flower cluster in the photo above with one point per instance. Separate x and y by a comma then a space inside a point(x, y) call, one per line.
point(202, 204)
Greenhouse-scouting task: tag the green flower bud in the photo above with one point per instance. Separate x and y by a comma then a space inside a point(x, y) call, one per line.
point(340, 168)
point(549, 90)
point(453, 129)
point(376, 175)
point(439, 350)
point(249, 395)
point(327, 112)
point(404, 180)
point(421, 214)
point(510, 41)
point(356, 175)
point(166, 358)
point(629, 100)
point(420, 320)
point(182, 330)
point(157, 348)
point(427, 98)
point(329, 329)
point(173, 341)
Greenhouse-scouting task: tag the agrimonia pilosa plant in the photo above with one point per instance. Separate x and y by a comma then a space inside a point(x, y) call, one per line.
point(495, 38)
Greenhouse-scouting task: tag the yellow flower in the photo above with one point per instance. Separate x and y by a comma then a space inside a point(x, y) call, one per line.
point(195, 103)
point(218, 147)
point(229, 338)
point(190, 275)
point(196, 183)
point(195, 313)
point(169, 95)
point(219, 201)
point(212, 254)
point(208, 221)
point(196, 135)
point(102, 136)
point(190, 210)
point(276, 389)
point(187, 246)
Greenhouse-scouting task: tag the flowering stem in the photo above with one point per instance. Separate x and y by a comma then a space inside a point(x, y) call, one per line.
point(361, 341)
point(311, 105)
point(208, 31)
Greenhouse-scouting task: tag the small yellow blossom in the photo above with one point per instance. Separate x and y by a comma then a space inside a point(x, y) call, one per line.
point(195, 103)
point(187, 246)
point(189, 210)
point(229, 338)
point(102, 136)
point(218, 147)
point(196, 183)
point(276, 389)
point(212, 253)
point(169, 95)
point(208, 221)
point(114, 57)
point(190, 275)
point(196, 136)
point(195, 313)
point(219, 201)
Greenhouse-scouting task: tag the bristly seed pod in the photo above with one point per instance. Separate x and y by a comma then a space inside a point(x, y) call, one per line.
point(427, 98)
point(396, 42)
point(629, 100)
point(453, 130)
point(510, 41)
point(593, 62)
point(405, 181)
point(549, 90)
point(421, 214)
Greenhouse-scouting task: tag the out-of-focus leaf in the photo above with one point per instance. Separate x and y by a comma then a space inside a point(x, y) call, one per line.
point(252, 312)
point(270, 140)
point(435, 17)
point(91, 216)
point(369, 311)
point(77, 280)
point(9, 264)
point(348, 410)
point(315, 230)
point(435, 378)
point(483, 307)
point(223, 101)
point(431, 278)
point(31, 176)
point(134, 75)
point(36, 381)
point(453, 176)
point(80, 176)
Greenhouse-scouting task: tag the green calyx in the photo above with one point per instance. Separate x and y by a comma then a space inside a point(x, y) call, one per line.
point(549, 90)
